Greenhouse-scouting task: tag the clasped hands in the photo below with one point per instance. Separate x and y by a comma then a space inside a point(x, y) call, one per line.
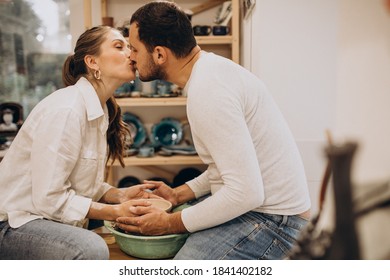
point(140, 217)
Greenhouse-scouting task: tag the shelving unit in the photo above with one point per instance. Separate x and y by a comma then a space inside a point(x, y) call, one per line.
point(227, 42)
point(161, 160)
point(150, 102)
point(232, 41)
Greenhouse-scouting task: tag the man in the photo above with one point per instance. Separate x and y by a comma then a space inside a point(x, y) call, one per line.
point(259, 198)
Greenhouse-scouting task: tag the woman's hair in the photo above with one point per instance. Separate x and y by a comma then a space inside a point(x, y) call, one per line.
point(74, 68)
point(164, 24)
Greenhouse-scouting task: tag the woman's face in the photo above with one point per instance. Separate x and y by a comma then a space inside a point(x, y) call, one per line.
point(114, 60)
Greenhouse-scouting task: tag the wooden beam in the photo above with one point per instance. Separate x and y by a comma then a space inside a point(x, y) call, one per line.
point(236, 31)
point(103, 5)
point(206, 5)
point(87, 14)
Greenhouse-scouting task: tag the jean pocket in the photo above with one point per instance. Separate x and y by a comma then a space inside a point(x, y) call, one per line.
point(276, 251)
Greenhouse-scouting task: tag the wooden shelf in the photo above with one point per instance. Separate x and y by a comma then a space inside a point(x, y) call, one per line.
point(151, 101)
point(161, 160)
point(214, 40)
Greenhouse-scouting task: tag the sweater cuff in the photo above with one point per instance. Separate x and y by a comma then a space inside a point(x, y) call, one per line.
point(200, 185)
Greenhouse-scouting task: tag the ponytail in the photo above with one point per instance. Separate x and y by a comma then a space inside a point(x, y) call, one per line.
point(68, 77)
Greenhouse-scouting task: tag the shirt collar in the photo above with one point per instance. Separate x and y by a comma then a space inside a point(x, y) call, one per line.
point(92, 102)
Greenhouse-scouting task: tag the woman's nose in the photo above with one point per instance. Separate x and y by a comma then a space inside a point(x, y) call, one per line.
point(128, 53)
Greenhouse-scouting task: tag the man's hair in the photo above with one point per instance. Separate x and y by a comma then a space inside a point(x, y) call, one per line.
point(164, 24)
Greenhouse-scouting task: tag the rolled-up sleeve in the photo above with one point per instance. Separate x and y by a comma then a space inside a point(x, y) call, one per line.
point(76, 209)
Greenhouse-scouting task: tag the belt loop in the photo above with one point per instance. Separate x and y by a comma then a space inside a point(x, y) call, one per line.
point(284, 220)
point(3, 229)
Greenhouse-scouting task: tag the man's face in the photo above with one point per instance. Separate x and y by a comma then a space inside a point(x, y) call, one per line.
point(143, 61)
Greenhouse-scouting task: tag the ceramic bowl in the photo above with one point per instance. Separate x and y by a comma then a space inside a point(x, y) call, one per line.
point(167, 132)
point(159, 203)
point(148, 247)
point(137, 129)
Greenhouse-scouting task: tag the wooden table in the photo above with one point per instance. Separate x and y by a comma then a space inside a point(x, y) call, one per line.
point(115, 252)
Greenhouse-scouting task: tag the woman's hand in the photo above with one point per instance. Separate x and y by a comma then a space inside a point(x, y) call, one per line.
point(124, 209)
point(116, 195)
point(138, 191)
point(110, 212)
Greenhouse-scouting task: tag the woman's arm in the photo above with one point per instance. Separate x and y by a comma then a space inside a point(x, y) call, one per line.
point(102, 211)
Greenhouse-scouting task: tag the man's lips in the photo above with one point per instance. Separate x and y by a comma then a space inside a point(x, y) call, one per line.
point(133, 65)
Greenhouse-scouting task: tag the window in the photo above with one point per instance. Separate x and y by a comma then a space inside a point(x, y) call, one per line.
point(34, 42)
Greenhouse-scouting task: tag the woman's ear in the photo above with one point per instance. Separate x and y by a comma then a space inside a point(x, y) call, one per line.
point(90, 62)
point(160, 55)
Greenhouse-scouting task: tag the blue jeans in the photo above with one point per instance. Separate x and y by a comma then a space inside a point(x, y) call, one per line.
point(249, 237)
point(48, 240)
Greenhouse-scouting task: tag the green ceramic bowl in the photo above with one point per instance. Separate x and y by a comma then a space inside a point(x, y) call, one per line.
point(148, 247)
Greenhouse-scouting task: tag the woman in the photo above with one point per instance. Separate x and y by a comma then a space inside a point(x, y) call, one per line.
point(52, 176)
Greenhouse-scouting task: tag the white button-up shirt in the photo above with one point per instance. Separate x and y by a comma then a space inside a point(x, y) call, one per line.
point(55, 165)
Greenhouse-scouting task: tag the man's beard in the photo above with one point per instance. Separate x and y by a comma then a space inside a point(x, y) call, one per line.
point(156, 72)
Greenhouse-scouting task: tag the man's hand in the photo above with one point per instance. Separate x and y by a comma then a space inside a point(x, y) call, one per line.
point(163, 190)
point(149, 220)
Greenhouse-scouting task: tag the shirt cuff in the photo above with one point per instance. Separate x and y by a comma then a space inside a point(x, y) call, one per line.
point(103, 189)
point(76, 211)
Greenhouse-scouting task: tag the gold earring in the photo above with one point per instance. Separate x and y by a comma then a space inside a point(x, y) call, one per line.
point(97, 74)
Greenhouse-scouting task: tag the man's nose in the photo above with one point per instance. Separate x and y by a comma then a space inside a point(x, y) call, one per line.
point(132, 56)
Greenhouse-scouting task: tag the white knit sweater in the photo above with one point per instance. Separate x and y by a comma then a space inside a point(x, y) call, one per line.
point(238, 131)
